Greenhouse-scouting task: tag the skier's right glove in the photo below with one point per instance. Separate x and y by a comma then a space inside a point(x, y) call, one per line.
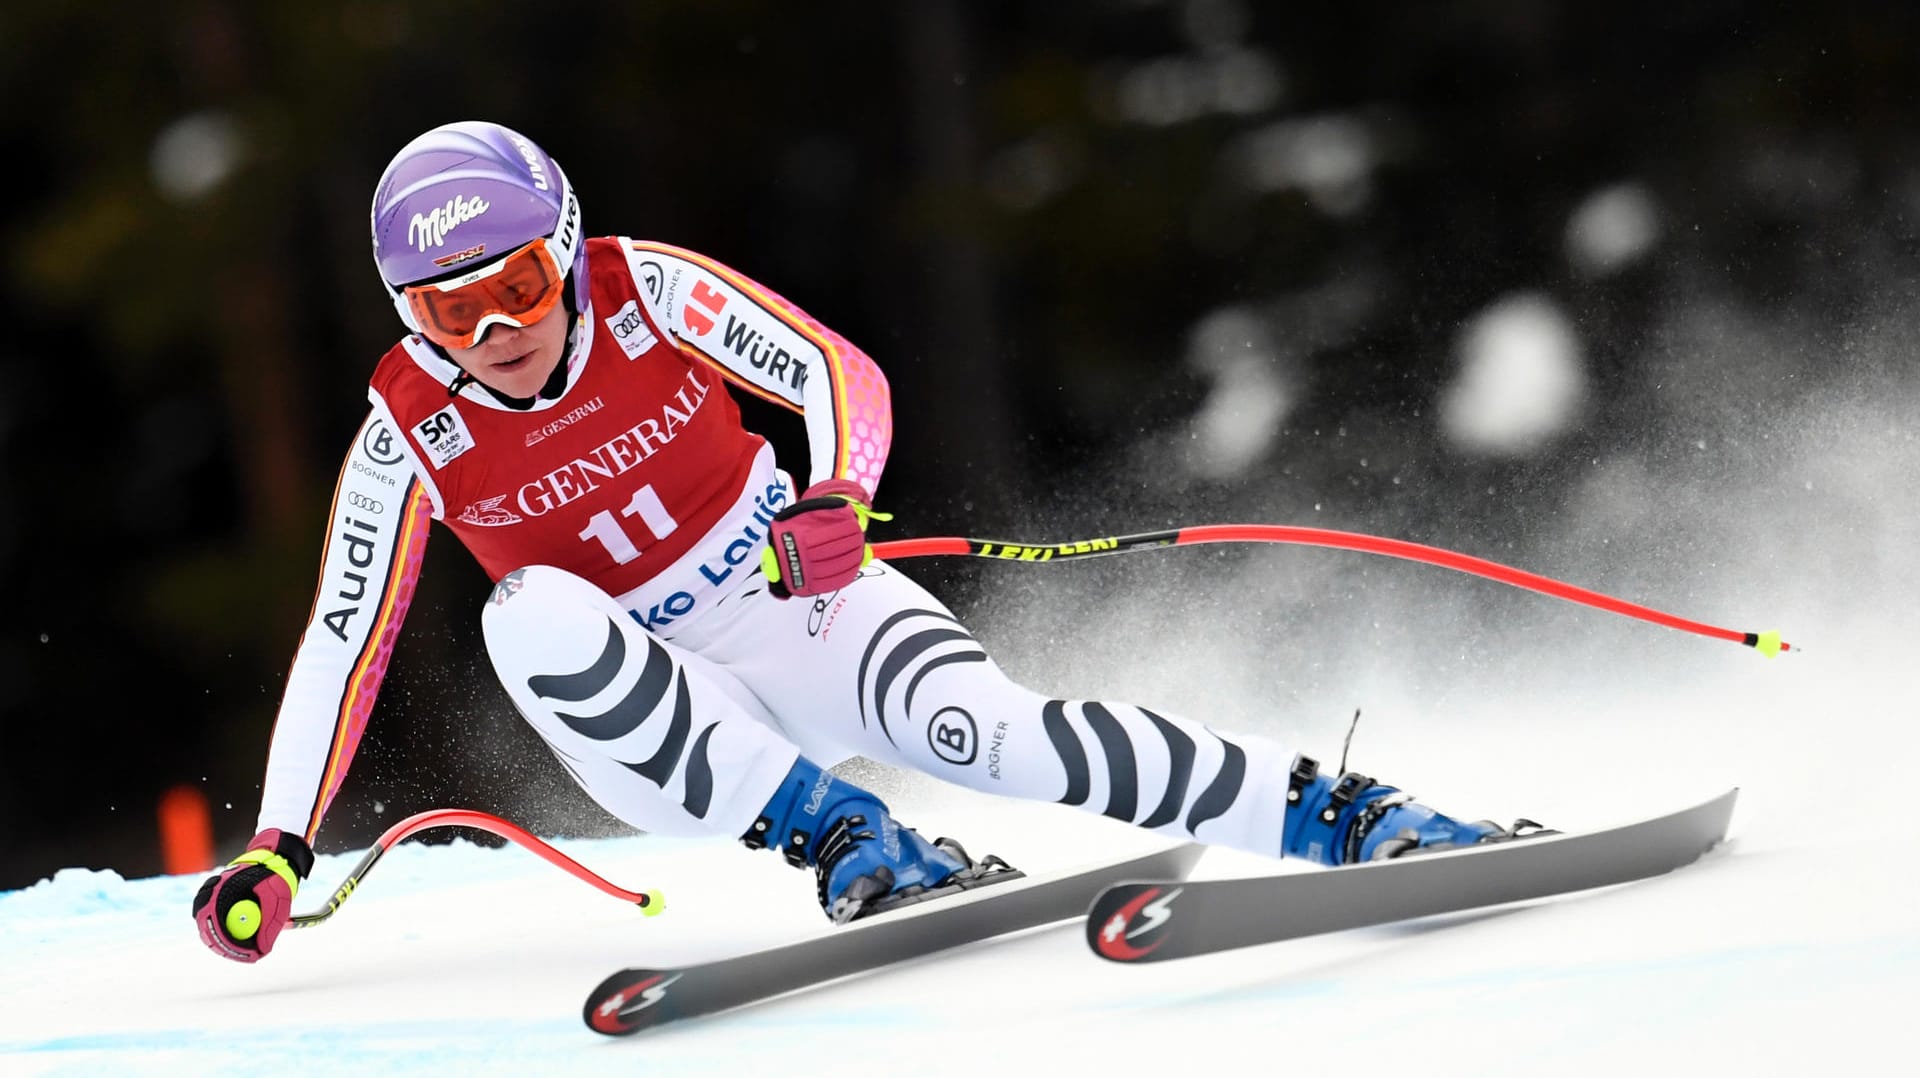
point(241, 910)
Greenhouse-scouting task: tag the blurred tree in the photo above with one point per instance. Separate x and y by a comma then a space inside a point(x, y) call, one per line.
point(1072, 233)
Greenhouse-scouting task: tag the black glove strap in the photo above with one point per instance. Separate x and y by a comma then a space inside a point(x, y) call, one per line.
point(808, 505)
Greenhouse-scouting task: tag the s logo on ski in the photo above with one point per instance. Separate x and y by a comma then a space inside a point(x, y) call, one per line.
point(616, 1013)
point(1138, 928)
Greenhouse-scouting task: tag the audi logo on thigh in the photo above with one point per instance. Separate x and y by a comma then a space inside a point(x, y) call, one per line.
point(361, 501)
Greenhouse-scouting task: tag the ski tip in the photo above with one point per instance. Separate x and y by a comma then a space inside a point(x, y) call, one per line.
point(1130, 922)
point(630, 1001)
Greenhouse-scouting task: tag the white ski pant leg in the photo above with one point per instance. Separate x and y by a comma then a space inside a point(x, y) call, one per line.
point(652, 733)
point(882, 669)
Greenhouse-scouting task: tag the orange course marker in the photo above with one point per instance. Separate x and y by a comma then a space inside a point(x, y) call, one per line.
point(186, 831)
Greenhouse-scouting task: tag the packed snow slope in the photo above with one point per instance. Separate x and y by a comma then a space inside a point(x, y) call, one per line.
point(1793, 949)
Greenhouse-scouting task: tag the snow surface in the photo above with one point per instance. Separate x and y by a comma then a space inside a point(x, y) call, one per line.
point(1790, 949)
point(1793, 949)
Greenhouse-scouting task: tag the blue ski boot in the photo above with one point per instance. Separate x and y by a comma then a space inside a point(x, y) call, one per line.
point(865, 861)
point(1355, 819)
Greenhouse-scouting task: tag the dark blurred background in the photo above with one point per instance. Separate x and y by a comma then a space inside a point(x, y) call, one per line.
point(1127, 263)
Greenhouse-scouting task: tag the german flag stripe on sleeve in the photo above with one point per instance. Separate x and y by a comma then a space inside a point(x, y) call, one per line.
point(404, 557)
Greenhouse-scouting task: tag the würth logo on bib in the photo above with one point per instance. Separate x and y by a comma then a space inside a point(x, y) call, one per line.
point(444, 436)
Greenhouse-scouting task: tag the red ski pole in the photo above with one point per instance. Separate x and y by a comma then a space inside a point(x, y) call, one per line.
point(1766, 643)
point(648, 901)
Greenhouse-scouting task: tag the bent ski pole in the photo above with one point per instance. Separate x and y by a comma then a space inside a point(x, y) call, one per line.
point(1766, 643)
point(648, 901)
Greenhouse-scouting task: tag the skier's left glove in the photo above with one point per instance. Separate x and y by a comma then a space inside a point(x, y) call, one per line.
point(241, 910)
point(818, 544)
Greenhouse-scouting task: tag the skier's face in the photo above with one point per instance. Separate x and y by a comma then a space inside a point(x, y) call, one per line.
point(517, 361)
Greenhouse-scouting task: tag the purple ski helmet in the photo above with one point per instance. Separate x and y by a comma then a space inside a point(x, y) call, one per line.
point(464, 194)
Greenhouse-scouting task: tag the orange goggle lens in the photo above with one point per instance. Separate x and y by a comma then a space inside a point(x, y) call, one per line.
point(519, 289)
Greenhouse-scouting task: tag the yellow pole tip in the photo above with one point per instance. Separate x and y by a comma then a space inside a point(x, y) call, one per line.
point(243, 920)
point(654, 905)
point(1768, 644)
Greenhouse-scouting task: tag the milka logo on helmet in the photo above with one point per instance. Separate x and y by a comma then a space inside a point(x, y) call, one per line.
point(430, 229)
point(532, 157)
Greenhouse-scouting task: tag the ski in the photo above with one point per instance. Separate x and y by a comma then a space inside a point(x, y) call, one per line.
point(636, 999)
point(1167, 919)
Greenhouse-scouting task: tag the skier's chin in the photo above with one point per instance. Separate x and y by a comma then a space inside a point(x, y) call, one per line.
point(519, 376)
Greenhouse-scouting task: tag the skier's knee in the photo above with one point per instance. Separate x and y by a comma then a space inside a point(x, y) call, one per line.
point(555, 638)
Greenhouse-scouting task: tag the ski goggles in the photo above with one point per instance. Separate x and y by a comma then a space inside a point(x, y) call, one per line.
point(517, 290)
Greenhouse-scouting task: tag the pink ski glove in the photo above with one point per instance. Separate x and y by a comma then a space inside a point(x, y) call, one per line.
point(241, 910)
point(818, 544)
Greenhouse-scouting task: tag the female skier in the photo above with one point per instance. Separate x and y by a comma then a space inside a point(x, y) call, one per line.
point(692, 632)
